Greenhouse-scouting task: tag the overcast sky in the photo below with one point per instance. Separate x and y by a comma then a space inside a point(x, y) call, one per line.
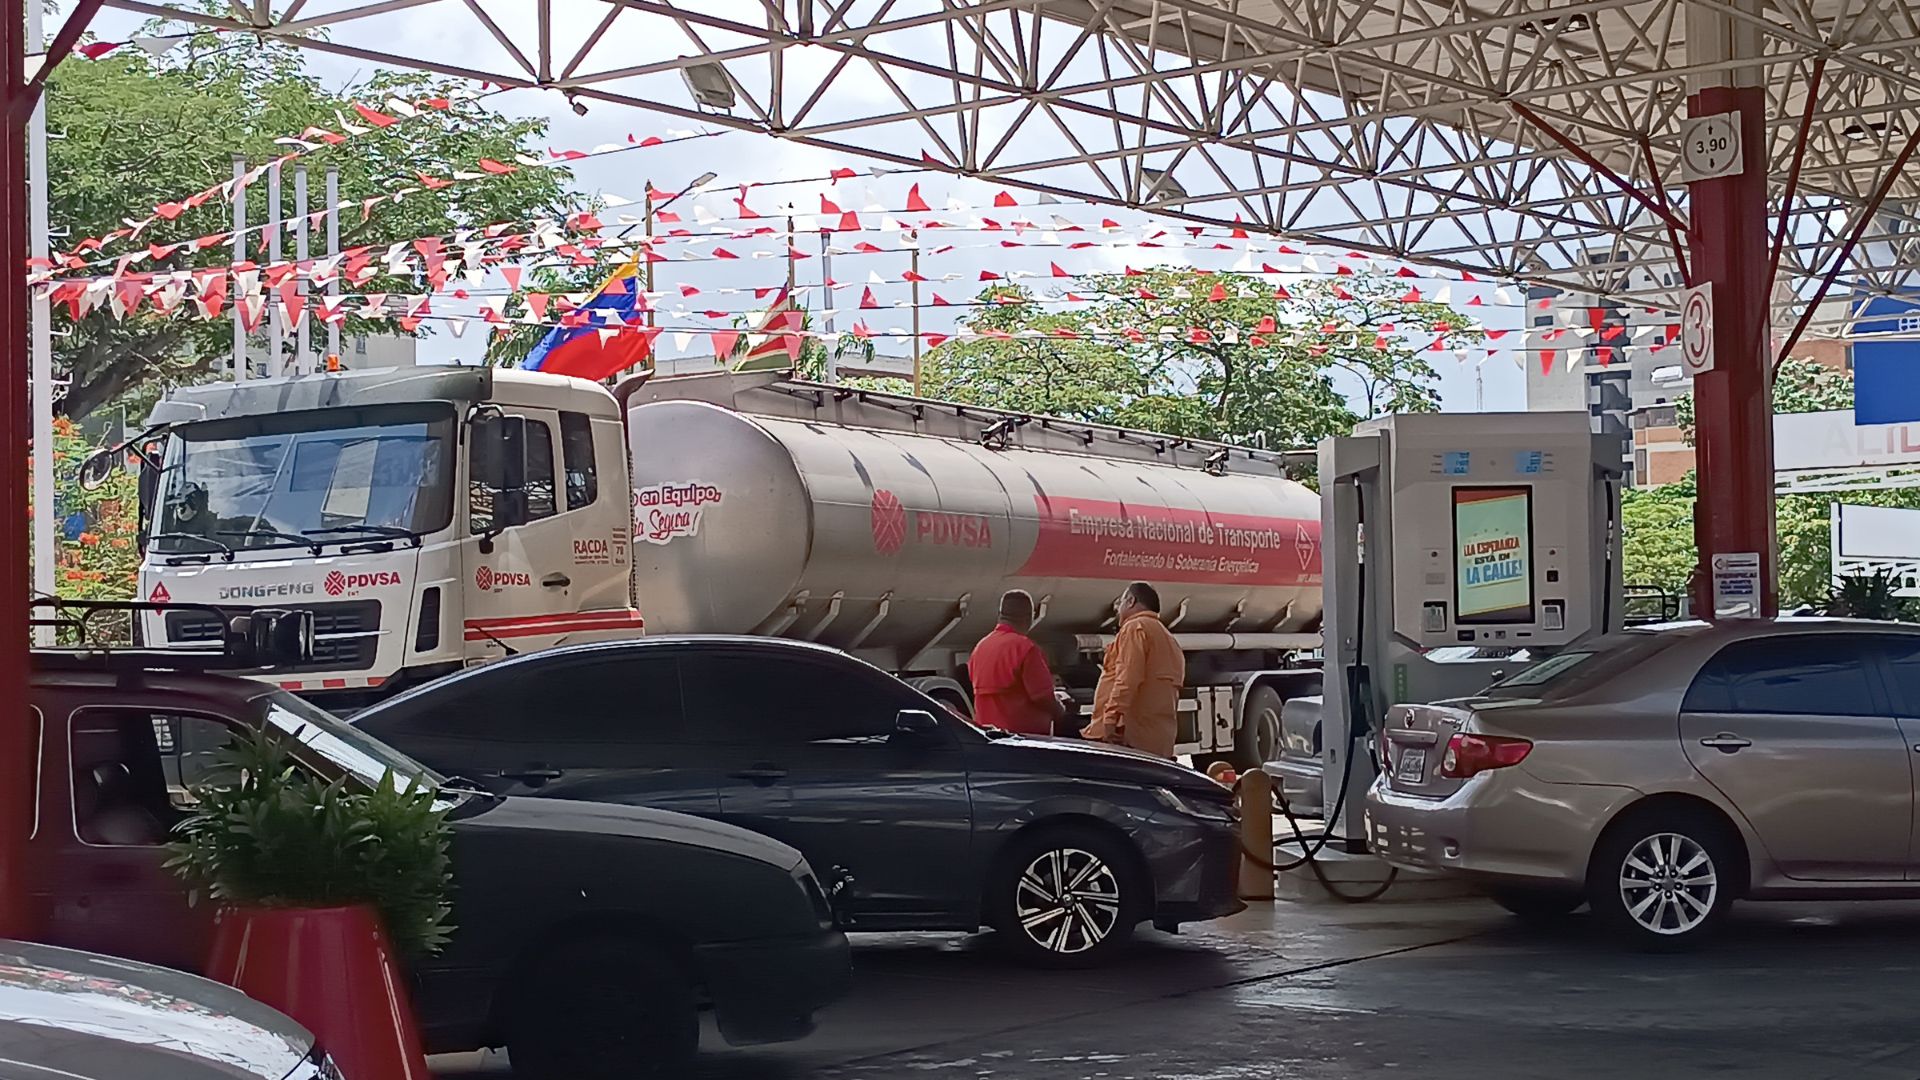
point(744, 158)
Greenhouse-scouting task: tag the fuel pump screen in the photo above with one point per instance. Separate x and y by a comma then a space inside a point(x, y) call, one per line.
point(1493, 554)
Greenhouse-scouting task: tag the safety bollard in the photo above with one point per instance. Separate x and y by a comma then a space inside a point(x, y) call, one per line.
point(1256, 835)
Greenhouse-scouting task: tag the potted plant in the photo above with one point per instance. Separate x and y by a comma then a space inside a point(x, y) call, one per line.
point(324, 890)
point(1873, 595)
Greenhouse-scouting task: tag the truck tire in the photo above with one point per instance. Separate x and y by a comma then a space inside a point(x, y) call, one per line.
point(1258, 739)
point(603, 1008)
point(1082, 924)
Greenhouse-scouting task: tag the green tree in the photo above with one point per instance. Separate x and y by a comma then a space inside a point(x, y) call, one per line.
point(1184, 352)
point(1657, 535)
point(1802, 386)
point(1657, 523)
point(138, 131)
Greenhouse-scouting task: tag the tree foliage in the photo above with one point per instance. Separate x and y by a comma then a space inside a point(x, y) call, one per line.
point(137, 131)
point(1183, 352)
point(1803, 386)
point(1657, 522)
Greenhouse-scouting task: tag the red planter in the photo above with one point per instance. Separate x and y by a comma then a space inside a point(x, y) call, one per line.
point(334, 971)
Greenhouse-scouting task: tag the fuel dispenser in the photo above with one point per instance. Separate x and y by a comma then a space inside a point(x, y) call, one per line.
point(1458, 547)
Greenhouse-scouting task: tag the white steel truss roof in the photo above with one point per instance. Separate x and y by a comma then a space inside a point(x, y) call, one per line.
point(1386, 126)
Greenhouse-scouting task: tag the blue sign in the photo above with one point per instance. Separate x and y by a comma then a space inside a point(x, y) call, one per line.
point(1886, 374)
point(1527, 462)
point(1455, 462)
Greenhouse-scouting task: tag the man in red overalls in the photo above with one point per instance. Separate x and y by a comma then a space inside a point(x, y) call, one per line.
point(1012, 686)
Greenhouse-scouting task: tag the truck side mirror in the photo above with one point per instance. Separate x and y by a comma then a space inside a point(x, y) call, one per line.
point(500, 465)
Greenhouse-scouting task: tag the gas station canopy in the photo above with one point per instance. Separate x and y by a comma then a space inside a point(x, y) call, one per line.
point(1498, 137)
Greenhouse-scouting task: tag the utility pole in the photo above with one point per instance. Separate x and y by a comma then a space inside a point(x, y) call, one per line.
point(333, 252)
point(916, 315)
point(302, 352)
point(276, 360)
point(240, 373)
point(45, 518)
point(826, 305)
point(646, 259)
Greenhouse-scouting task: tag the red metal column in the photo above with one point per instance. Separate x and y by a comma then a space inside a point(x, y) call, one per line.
point(1733, 419)
point(18, 760)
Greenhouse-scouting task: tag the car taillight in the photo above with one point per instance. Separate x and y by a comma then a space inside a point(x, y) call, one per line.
point(1470, 754)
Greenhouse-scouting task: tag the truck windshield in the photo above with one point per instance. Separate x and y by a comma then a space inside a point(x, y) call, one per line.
point(360, 755)
point(264, 481)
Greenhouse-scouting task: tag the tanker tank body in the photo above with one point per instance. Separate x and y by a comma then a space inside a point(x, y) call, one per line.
point(888, 526)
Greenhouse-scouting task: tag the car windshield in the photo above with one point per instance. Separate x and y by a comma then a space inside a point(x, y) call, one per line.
point(266, 481)
point(1570, 672)
point(360, 755)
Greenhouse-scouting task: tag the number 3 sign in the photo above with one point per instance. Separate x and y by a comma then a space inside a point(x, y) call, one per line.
point(1696, 330)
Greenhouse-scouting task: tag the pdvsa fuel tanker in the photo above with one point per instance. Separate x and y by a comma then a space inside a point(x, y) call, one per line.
point(435, 518)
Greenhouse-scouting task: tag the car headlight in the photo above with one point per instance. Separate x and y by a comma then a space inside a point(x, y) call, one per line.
point(1192, 807)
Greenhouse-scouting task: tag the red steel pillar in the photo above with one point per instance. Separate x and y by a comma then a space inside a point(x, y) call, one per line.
point(1733, 415)
point(18, 759)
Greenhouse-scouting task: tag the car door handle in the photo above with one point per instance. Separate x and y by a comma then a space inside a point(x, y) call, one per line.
point(761, 775)
point(1726, 742)
point(533, 775)
point(556, 581)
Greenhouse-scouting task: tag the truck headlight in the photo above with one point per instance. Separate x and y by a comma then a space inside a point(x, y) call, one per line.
point(1192, 807)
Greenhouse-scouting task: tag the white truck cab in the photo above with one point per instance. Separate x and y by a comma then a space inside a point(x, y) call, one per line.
point(430, 518)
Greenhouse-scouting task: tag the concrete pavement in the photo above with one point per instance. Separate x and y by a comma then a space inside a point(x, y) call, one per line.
point(1437, 990)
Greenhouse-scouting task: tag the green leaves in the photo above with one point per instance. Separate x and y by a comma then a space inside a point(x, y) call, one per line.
point(1182, 352)
point(137, 131)
point(274, 835)
point(1872, 596)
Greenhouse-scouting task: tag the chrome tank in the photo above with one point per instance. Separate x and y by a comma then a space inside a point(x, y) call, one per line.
point(887, 526)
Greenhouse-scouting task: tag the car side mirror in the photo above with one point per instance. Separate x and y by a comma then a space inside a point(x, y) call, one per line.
point(100, 465)
point(499, 456)
point(917, 722)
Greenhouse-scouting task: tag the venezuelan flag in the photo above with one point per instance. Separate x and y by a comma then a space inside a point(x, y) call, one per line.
point(577, 347)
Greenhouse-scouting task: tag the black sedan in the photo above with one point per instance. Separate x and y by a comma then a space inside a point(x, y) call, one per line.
point(922, 821)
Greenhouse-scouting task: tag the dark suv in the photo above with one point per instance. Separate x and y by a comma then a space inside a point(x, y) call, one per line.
point(923, 821)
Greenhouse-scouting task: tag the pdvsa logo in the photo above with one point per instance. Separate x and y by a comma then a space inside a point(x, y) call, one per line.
point(488, 579)
point(954, 530)
point(337, 583)
point(889, 520)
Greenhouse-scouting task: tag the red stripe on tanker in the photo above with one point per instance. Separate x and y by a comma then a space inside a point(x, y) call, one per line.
point(1092, 538)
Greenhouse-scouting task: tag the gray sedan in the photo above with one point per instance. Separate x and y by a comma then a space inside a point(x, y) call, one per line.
point(1660, 774)
point(80, 1016)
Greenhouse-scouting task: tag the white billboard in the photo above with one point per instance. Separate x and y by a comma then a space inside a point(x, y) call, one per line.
point(1805, 442)
point(1875, 532)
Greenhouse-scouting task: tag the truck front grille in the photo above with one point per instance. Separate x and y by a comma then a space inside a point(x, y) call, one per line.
point(329, 653)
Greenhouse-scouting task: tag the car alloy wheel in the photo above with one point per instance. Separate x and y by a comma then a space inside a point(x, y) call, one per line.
point(1067, 900)
point(1668, 884)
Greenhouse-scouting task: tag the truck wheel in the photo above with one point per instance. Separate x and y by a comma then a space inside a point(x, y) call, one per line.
point(603, 1009)
point(1258, 740)
point(1066, 897)
point(1664, 880)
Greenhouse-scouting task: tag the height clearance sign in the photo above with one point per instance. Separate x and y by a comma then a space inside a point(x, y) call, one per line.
point(1493, 554)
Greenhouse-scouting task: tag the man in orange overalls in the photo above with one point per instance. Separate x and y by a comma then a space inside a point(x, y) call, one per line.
point(1012, 686)
point(1140, 678)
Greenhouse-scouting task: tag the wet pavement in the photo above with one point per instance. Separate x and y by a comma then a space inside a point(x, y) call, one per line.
point(1434, 990)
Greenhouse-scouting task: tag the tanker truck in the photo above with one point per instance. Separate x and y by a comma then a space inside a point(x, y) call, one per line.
point(435, 518)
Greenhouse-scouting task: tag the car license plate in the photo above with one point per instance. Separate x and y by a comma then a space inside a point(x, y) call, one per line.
point(1412, 767)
